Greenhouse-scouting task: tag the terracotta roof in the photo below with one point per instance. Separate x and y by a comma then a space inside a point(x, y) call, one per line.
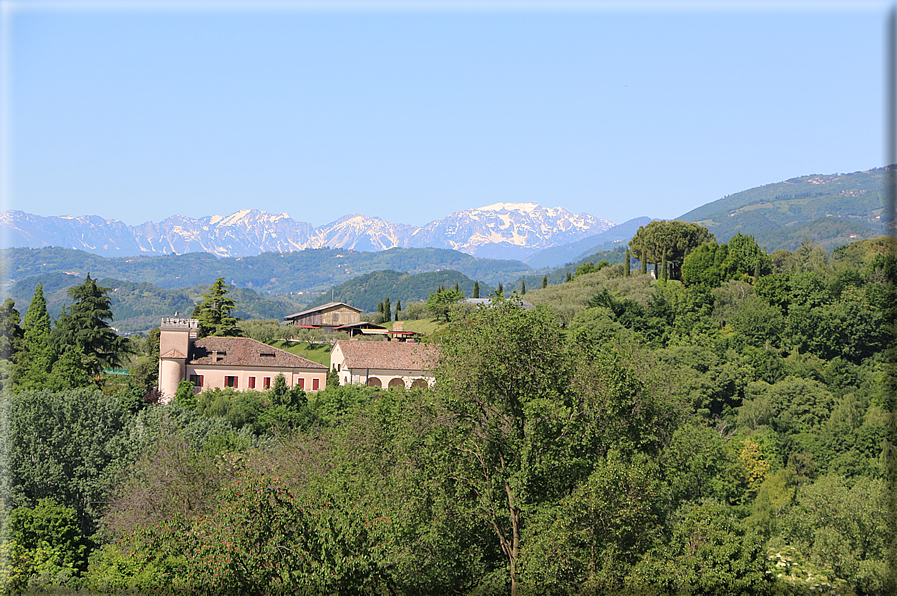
point(322, 308)
point(172, 354)
point(243, 351)
point(388, 355)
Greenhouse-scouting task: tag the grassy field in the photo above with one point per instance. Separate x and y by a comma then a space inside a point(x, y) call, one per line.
point(424, 326)
point(320, 353)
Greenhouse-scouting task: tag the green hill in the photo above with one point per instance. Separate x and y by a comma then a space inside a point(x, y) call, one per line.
point(139, 306)
point(268, 273)
point(829, 209)
point(365, 291)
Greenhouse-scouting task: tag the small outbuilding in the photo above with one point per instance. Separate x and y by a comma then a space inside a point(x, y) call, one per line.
point(385, 364)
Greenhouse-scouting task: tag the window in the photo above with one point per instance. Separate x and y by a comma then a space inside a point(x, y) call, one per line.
point(315, 384)
point(267, 382)
point(230, 382)
point(301, 383)
point(252, 382)
point(196, 380)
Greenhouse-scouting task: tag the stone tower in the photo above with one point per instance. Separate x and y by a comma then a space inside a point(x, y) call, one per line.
point(175, 339)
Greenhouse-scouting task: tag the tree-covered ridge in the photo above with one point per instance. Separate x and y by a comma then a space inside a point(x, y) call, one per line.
point(269, 273)
point(830, 209)
point(365, 291)
point(729, 433)
point(137, 307)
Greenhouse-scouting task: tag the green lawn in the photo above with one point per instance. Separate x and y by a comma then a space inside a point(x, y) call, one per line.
point(424, 326)
point(320, 353)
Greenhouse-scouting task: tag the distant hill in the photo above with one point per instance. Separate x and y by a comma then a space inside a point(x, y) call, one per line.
point(573, 251)
point(365, 291)
point(268, 273)
point(139, 306)
point(830, 209)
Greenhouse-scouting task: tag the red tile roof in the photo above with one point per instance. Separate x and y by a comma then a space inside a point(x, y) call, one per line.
point(243, 351)
point(388, 355)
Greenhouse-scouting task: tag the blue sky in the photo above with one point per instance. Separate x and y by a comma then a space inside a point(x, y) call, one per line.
point(411, 111)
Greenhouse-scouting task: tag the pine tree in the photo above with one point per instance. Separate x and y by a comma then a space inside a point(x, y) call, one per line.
point(38, 352)
point(89, 342)
point(214, 312)
point(476, 289)
point(522, 287)
point(544, 281)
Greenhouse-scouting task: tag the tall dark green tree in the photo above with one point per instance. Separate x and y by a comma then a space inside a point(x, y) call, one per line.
point(10, 332)
point(627, 270)
point(544, 281)
point(387, 309)
point(522, 287)
point(10, 339)
point(214, 312)
point(476, 289)
point(87, 341)
point(38, 351)
point(500, 291)
point(398, 310)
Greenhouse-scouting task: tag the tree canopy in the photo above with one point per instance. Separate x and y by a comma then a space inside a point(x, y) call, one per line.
point(669, 241)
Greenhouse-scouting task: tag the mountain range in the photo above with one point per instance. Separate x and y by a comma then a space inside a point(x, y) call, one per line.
point(499, 231)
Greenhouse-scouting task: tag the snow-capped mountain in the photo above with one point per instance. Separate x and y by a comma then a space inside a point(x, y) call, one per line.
point(503, 230)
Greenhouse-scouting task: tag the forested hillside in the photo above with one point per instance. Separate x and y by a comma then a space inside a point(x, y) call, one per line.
point(365, 291)
point(138, 307)
point(831, 210)
point(725, 428)
point(269, 273)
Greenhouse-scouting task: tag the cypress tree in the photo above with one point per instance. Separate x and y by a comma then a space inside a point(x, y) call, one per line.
point(398, 310)
point(380, 307)
point(457, 289)
point(387, 309)
point(38, 351)
point(569, 277)
point(500, 291)
point(10, 332)
point(627, 271)
point(663, 268)
point(476, 289)
point(544, 281)
point(522, 287)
